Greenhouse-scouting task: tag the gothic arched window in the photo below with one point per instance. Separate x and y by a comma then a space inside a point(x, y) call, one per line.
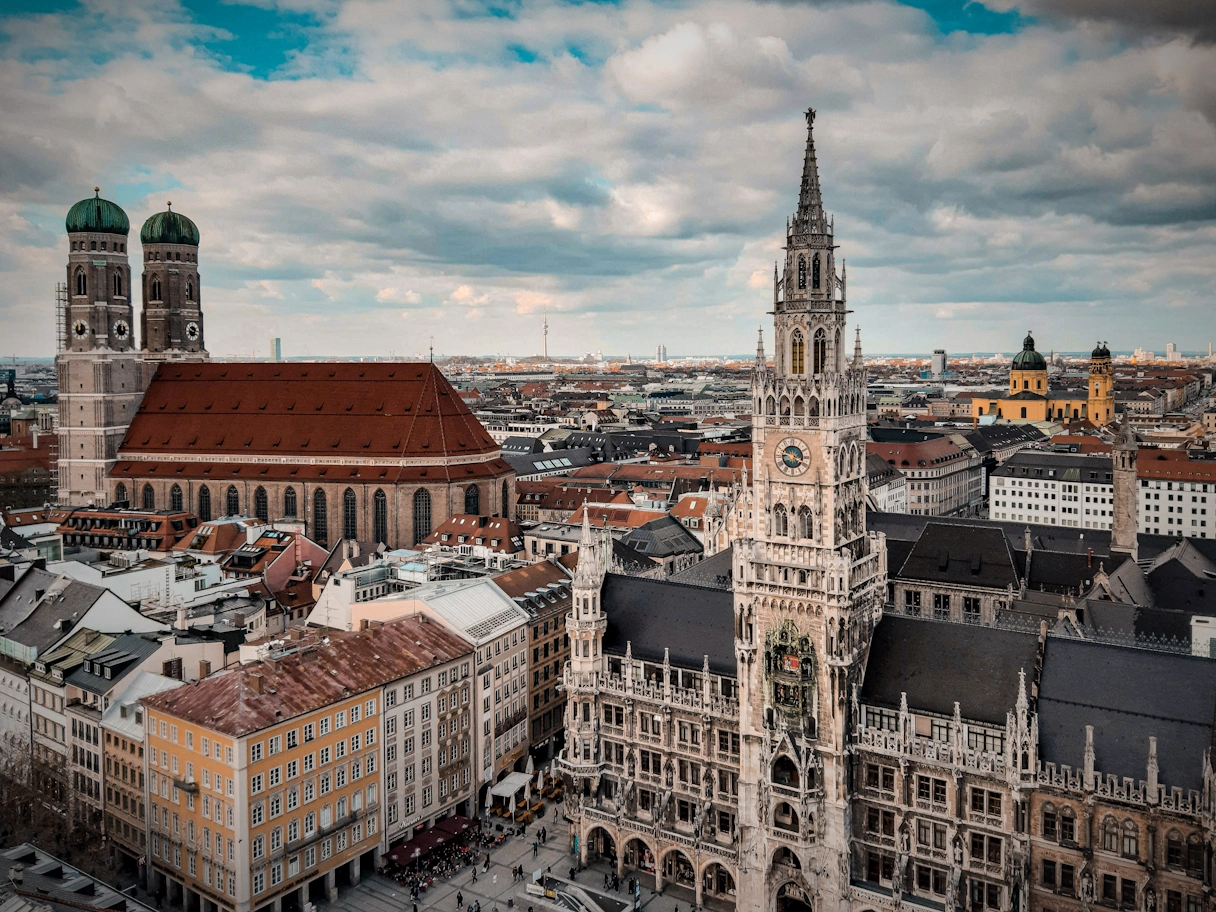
point(289, 502)
point(232, 502)
point(380, 517)
point(120, 493)
point(1131, 839)
point(350, 514)
point(189, 289)
point(801, 271)
point(806, 527)
point(422, 514)
point(204, 504)
point(82, 283)
point(261, 504)
point(812, 408)
point(506, 500)
point(149, 498)
point(155, 294)
point(175, 498)
point(320, 519)
point(815, 272)
point(780, 520)
point(797, 354)
point(117, 284)
point(821, 351)
point(472, 501)
point(799, 407)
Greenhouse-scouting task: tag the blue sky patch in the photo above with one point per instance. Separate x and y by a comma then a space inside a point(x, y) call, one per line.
point(261, 40)
point(971, 17)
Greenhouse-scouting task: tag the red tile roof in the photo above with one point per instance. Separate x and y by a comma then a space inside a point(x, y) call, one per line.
point(464, 529)
point(1173, 465)
point(324, 411)
point(249, 698)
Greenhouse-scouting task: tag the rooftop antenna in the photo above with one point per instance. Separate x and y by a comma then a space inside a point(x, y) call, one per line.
point(432, 349)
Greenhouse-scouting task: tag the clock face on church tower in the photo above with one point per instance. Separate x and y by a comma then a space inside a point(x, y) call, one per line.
point(792, 456)
point(80, 328)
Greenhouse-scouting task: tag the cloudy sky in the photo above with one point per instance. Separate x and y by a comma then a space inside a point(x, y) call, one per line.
point(370, 175)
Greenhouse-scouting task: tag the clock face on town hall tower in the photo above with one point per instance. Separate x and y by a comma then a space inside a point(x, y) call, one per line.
point(792, 456)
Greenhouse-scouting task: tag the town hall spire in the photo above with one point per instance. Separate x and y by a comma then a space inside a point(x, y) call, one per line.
point(810, 218)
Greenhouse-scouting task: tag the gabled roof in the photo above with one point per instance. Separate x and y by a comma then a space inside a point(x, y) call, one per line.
point(35, 610)
point(653, 615)
point(716, 571)
point(936, 664)
point(495, 533)
point(323, 411)
point(101, 671)
point(961, 554)
point(1128, 695)
point(662, 537)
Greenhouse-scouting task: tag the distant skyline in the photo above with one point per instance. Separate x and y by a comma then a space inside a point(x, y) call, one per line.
point(367, 175)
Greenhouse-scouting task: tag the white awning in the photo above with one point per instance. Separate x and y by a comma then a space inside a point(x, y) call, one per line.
point(510, 786)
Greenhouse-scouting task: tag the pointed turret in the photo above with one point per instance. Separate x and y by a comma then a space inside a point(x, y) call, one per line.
point(760, 362)
point(810, 217)
point(588, 573)
point(857, 349)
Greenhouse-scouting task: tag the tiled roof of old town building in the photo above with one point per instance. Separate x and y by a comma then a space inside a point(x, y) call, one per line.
point(379, 414)
point(249, 698)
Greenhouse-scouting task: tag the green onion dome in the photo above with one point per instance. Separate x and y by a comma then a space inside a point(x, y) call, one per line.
point(99, 215)
point(1029, 359)
point(169, 227)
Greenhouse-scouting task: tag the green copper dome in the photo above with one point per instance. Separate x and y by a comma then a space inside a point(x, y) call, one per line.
point(169, 227)
point(1028, 359)
point(97, 214)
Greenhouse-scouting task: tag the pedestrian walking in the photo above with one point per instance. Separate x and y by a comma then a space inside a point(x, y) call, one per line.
point(459, 900)
point(535, 848)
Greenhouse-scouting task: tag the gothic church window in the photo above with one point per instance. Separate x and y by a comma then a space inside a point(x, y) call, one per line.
point(380, 517)
point(797, 354)
point(320, 519)
point(821, 351)
point(289, 502)
point(350, 515)
point(232, 502)
point(189, 289)
point(801, 271)
point(175, 498)
point(261, 505)
point(422, 515)
point(82, 283)
point(815, 272)
point(799, 406)
point(204, 504)
point(120, 493)
point(149, 498)
point(155, 294)
point(117, 284)
point(780, 520)
point(472, 501)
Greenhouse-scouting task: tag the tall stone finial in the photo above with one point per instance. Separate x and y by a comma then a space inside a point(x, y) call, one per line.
point(1153, 771)
point(776, 286)
point(857, 349)
point(1023, 701)
point(760, 360)
point(1089, 758)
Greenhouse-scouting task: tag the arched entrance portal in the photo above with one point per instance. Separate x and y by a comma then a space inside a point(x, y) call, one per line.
point(639, 858)
point(601, 847)
point(718, 883)
point(792, 898)
point(678, 870)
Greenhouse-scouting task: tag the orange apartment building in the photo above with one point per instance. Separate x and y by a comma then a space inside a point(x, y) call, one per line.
point(265, 780)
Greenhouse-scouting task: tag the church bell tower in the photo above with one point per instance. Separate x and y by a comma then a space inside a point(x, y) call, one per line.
point(809, 579)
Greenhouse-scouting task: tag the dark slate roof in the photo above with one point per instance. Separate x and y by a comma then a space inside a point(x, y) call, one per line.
point(1059, 571)
point(122, 656)
point(653, 615)
point(961, 554)
point(997, 436)
point(1128, 696)
point(522, 446)
point(936, 663)
point(908, 527)
point(663, 537)
point(558, 461)
point(31, 611)
point(1060, 466)
point(716, 571)
point(630, 559)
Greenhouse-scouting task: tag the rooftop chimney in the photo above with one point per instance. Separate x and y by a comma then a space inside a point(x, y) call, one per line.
point(204, 668)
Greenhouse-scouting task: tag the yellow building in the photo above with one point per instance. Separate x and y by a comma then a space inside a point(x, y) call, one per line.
point(1031, 398)
point(265, 780)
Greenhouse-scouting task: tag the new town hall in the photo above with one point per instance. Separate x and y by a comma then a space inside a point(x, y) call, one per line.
point(790, 743)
